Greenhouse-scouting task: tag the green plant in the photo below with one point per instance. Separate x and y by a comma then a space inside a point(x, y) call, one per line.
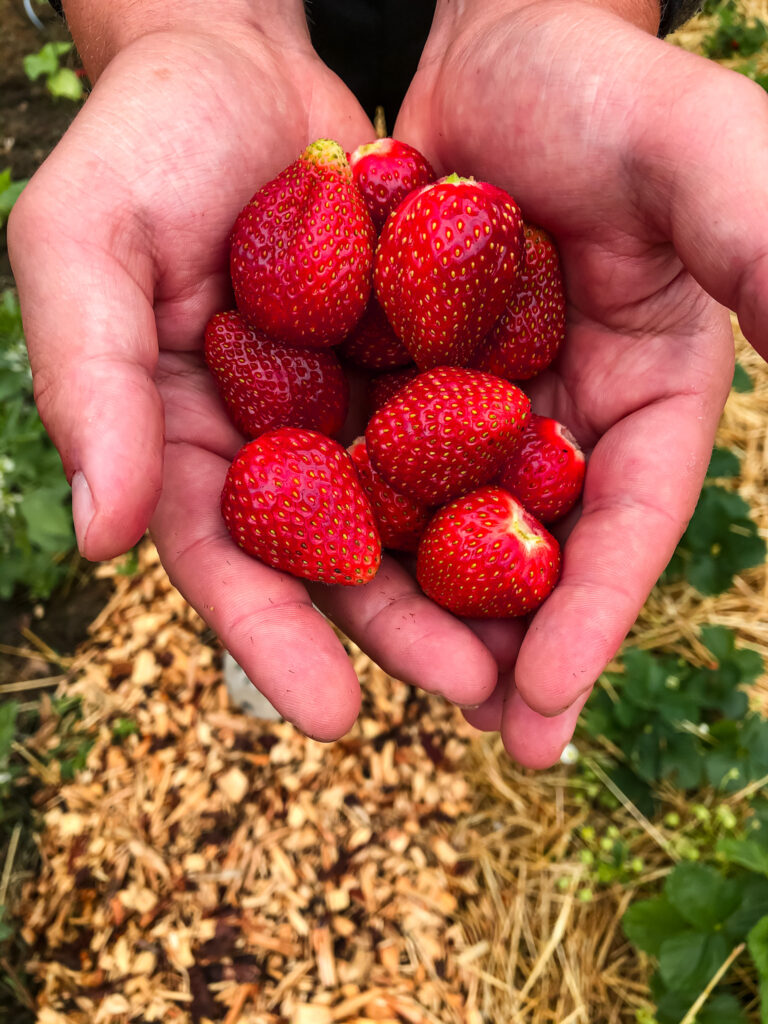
point(734, 34)
point(61, 82)
point(700, 919)
point(10, 191)
point(35, 513)
point(677, 722)
point(721, 539)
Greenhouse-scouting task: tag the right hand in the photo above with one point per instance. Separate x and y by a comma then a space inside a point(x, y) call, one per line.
point(119, 248)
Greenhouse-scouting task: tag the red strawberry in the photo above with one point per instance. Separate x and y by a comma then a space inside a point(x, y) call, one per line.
point(385, 171)
point(484, 556)
point(266, 385)
point(302, 251)
point(373, 344)
point(531, 329)
point(292, 498)
point(387, 385)
point(400, 520)
point(545, 469)
point(446, 432)
point(447, 261)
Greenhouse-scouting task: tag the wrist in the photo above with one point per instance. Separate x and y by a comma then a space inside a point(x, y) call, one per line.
point(102, 29)
point(644, 14)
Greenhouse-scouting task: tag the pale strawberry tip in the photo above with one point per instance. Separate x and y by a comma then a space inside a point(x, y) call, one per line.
point(328, 155)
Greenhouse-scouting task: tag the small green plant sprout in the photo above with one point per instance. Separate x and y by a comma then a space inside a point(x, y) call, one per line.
point(10, 191)
point(61, 82)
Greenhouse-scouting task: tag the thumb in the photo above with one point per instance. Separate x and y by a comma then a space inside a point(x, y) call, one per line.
point(92, 343)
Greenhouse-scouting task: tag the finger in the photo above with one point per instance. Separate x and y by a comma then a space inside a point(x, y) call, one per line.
point(92, 345)
point(410, 637)
point(487, 717)
point(534, 740)
point(711, 201)
point(502, 637)
point(263, 617)
point(642, 483)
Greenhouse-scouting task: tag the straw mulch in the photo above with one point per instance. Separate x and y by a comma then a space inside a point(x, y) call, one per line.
point(212, 867)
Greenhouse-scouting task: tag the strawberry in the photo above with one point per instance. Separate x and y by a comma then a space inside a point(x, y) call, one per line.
point(302, 250)
point(267, 385)
point(484, 556)
point(545, 469)
point(292, 499)
point(373, 344)
point(446, 263)
point(531, 329)
point(400, 520)
point(386, 386)
point(385, 171)
point(446, 432)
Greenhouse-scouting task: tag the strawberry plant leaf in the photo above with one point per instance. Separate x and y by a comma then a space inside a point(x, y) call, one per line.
point(702, 895)
point(742, 382)
point(688, 961)
point(10, 191)
point(720, 541)
point(723, 463)
point(747, 853)
point(757, 944)
point(754, 906)
point(649, 923)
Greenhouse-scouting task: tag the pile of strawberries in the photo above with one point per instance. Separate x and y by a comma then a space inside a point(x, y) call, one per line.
point(441, 293)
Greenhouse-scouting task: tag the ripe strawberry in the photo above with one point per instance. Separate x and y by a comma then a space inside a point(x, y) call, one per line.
point(484, 556)
point(292, 498)
point(373, 344)
point(446, 432)
point(267, 385)
point(385, 171)
point(531, 329)
point(387, 385)
point(545, 469)
point(302, 250)
point(400, 520)
point(447, 261)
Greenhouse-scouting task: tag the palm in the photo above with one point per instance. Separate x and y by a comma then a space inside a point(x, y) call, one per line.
point(647, 362)
point(142, 265)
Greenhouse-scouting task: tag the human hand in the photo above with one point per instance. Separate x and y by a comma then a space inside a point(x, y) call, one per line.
point(648, 165)
point(119, 247)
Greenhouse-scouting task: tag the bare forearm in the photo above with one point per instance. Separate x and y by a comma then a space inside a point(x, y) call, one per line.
point(102, 28)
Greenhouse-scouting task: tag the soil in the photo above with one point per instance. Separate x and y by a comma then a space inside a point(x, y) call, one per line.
point(31, 123)
point(31, 120)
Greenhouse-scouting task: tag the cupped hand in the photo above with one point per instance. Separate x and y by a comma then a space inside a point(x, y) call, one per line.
point(648, 165)
point(119, 247)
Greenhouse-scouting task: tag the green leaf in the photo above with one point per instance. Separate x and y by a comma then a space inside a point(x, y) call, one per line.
point(722, 1008)
point(49, 523)
point(757, 944)
point(9, 710)
point(742, 382)
point(724, 463)
point(45, 61)
point(649, 923)
point(721, 540)
point(702, 895)
point(9, 192)
point(65, 84)
point(748, 853)
point(689, 960)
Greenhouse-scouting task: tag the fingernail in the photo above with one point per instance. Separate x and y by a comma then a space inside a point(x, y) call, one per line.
point(82, 507)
